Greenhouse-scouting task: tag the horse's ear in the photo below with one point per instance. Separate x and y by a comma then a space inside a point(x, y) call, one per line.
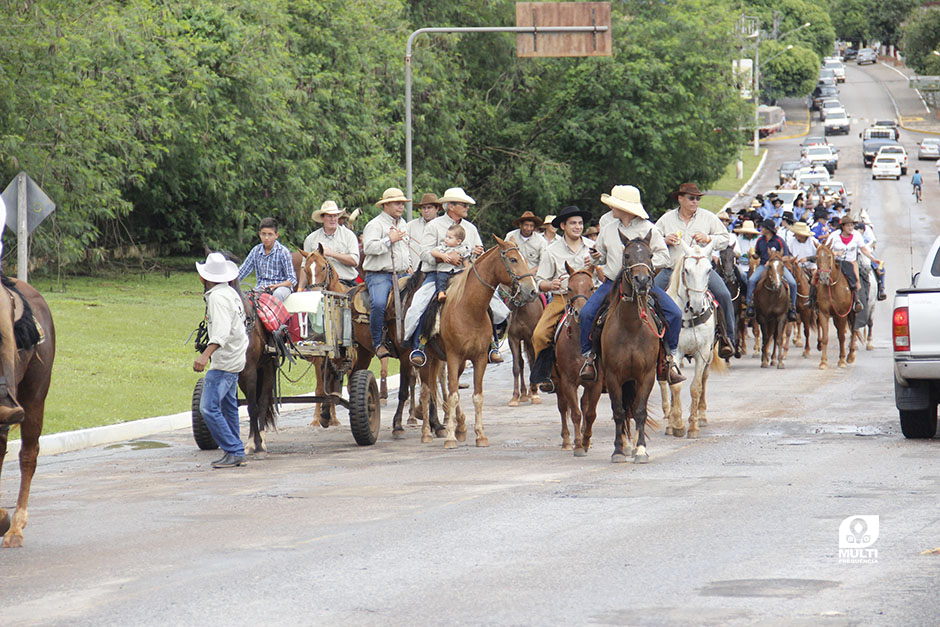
point(303, 252)
point(623, 238)
point(811, 259)
point(499, 241)
point(649, 236)
point(569, 269)
point(320, 248)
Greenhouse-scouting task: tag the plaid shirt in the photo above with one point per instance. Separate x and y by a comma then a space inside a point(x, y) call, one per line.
point(274, 267)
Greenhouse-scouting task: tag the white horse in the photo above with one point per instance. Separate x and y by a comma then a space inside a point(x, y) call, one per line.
point(688, 288)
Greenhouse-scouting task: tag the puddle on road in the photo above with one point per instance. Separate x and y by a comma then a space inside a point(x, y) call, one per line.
point(139, 445)
point(778, 588)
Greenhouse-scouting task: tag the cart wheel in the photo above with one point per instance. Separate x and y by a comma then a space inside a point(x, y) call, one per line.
point(365, 413)
point(201, 434)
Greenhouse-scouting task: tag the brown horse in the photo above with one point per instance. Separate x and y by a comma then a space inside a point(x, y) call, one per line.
point(567, 368)
point(522, 321)
point(771, 304)
point(630, 348)
point(726, 267)
point(465, 332)
point(33, 373)
point(834, 300)
point(804, 309)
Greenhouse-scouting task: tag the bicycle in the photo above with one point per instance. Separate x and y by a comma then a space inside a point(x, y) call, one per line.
point(917, 191)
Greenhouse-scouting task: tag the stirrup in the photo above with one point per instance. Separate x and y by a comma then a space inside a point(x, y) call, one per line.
point(418, 358)
point(548, 387)
point(588, 371)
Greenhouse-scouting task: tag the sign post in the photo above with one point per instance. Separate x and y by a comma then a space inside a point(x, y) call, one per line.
point(22, 235)
point(27, 205)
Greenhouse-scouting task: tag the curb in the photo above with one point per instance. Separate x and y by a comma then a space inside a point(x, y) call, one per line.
point(741, 193)
point(897, 111)
point(809, 122)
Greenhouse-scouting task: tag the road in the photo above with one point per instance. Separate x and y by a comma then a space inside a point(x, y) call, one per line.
point(738, 527)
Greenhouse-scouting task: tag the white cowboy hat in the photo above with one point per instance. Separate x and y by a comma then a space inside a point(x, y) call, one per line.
point(747, 227)
point(800, 228)
point(217, 269)
point(722, 215)
point(625, 198)
point(456, 194)
point(355, 214)
point(392, 194)
point(329, 208)
point(547, 222)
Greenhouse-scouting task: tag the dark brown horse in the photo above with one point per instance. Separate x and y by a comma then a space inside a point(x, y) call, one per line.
point(465, 332)
point(834, 300)
point(804, 309)
point(33, 373)
point(630, 348)
point(771, 304)
point(522, 321)
point(568, 362)
point(737, 287)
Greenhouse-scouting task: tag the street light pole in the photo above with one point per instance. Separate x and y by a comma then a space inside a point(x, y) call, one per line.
point(756, 90)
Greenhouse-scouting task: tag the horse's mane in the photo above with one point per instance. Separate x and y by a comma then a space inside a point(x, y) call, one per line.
point(459, 283)
point(676, 279)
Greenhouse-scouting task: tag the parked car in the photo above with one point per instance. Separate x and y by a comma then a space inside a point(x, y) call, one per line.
point(814, 140)
point(871, 146)
point(786, 170)
point(826, 74)
point(838, 69)
point(928, 148)
point(915, 332)
point(849, 53)
point(821, 93)
point(897, 151)
point(837, 121)
point(866, 55)
point(824, 156)
point(886, 167)
point(827, 105)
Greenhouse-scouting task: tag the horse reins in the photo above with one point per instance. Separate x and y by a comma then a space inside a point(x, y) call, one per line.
point(829, 283)
point(514, 298)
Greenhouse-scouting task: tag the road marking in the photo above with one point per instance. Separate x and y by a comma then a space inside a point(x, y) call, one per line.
point(907, 78)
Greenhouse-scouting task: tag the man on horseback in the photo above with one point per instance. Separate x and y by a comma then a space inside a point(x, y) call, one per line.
point(11, 413)
point(633, 222)
point(270, 261)
point(339, 243)
point(530, 242)
point(386, 253)
point(430, 206)
point(552, 277)
point(770, 241)
point(693, 226)
point(846, 245)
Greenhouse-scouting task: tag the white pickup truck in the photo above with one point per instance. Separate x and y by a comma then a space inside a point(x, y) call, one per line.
point(916, 332)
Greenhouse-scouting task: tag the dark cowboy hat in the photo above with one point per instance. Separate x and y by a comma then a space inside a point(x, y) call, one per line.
point(687, 188)
point(789, 217)
point(820, 213)
point(528, 215)
point(769, 225)
point(429, 199)
point(569, 212)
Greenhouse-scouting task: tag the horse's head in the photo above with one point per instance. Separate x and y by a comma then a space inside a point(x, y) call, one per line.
point(774, 271)
point(695, 268)
point(516, 273)
point(317, 269)
point(580, 288)
point(825, 264)
point(726, 262)
point(636, 274)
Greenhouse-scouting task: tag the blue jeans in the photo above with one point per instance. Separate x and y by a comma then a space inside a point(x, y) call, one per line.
point(593, 305)
point(759, 272)
point(219, 409)
point(379, 285)
point(280, 293)
point(718, 289)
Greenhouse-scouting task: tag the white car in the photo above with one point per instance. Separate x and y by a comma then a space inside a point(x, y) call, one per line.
point(811, 176)
point(896, 151)
point(837, 121)
point(838, 69)
point(885, 166)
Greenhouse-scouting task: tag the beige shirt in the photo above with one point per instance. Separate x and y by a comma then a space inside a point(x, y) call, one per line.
point(611, 248)
point(532, 248)
point(415, 233)
point(225, 319)
point(606, 219)
point(378, 248)
point(557, 253)
point(342, 241)
point(434, 234)
point(703, 221)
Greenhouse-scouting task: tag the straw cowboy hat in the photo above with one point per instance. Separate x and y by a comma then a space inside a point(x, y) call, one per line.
point(800, 228)
point(327, 208)
point(392, 194)
point(355, 214)
point(687, 188)
point(625, 198)
point(547, 222)
point(591, 230)
point(456, 194)
point(723, 215)
point(747, 227)
point(756, 204)
point(429, 199)
point(528, 215)
point(217, 269)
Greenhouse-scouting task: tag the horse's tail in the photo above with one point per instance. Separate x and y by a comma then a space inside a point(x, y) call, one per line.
point(718, 365)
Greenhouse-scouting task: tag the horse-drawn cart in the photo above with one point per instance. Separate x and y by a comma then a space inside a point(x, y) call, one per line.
point(323, 336)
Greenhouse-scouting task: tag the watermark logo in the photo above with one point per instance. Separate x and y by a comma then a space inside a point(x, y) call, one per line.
point(857, 534)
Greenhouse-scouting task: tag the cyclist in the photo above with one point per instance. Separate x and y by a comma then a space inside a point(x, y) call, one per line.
point(917, 183)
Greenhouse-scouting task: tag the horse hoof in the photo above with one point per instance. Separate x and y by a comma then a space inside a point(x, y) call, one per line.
point(641, 456)
point(449, 444)
point(566, 446)
point(536, 400)
point(258, 455)
point(618, 458)
point(412, 422)
point(383, 402)
point(398, 434)
point(440, 433)
point(702, 421)
point(842, 363)
point(461, 436)
point(335, 423)
point(797, 342)
point(694, 434)
point(13, 541)
point(580, 452)
point(426, 439)
point(524, 399)
point(869, 347)
point(4, 521)
point(668, 430)
point(764, 364)
point(823, 366)
point(780, 365)
point(514, 402)
point(483, 442)
point(679, 433)
point(851, 358)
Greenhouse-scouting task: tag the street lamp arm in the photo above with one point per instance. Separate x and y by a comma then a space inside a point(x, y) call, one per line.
point(790, 32)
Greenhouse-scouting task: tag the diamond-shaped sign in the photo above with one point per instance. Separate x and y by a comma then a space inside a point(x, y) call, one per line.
point(38, 205)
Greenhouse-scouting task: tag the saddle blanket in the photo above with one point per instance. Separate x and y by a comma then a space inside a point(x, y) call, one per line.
point(422, 298)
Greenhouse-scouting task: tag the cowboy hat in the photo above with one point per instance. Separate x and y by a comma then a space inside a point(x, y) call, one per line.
point(528, 215)
point(747, 227)
point(756, 203)
point(847, 218)
point(625, 198)
point(392, 194)
point(820, 212)
point(327, 208)
point(769, 224)
point(687, 188)
point(723, 215)
point(456, 194)
point(429, 199)
point(591, 230)
point(217, 269)
point(547, 222)
point(800, 228)
point(788, 216)
point(569, 212)
point(355, 214)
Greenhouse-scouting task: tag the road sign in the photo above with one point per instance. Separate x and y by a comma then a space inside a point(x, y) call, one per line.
point(38, 205)
point(925, 83)
point(563, 44)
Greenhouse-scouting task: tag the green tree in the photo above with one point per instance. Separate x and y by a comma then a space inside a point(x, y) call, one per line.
point(793, 73)
point(850, 19)
point(921, 37)
point(885, 19)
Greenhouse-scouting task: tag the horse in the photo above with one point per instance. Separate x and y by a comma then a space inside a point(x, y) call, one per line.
point(630, 348)
point(804, 309)
point(33, 373)
point(737, 287)
point(522, 321)
point(771, 304)
point(464, 332)
point(834, 300)
point(567, 367)
point(688, 287)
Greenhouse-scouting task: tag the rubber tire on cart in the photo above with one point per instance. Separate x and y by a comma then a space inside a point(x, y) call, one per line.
point(365, 411)
point(201, 434)
point(919, 424)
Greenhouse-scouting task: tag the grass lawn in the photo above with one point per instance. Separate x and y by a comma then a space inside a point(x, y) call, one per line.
point(730, 182)
point(121, 350)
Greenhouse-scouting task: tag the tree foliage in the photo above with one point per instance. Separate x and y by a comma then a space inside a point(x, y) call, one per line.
point(921, 37)
point(789, 72)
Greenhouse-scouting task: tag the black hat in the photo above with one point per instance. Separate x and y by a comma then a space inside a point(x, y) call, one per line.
point(570, 212)
point(835, 220)
point(788, 216)
point(772, 195)
point(820, 213)
point(769, 225)
point(759, 197)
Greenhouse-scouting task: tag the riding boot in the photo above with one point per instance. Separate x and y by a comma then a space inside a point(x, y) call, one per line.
point(673, 374)
point(857, 303)
point(10, 411)
point(542, 370)
point(494, 357)
point(588, 370)
point(880, 278)
point(725, 345)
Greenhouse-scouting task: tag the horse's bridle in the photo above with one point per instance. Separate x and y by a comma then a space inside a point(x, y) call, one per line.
point(779, 284)
point(330, 274)
point(514, 299)
point(692, 289)
point(825, 276)
point(634, 290)
point(570, 300)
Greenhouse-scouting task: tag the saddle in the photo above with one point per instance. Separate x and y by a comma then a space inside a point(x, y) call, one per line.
point(26, 329)
point(659, 320)
point(362, 302)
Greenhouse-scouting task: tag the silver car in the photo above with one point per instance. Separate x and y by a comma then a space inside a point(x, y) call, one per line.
point(929, 148)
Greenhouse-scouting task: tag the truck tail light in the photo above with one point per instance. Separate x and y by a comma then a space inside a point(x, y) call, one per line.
point(901, 330)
